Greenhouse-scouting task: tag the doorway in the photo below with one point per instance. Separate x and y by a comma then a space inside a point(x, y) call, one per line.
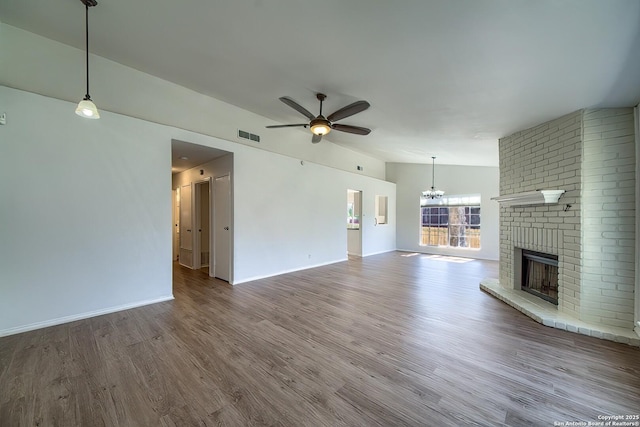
point(199, 173)
point(185, 256)
point(354, 223)
point(202, 229)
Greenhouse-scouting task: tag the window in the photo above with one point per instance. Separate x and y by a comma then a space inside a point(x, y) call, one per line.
point(381, 206)
point(452, 221)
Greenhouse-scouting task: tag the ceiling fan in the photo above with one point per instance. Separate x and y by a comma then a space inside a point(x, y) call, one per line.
point(321, 125)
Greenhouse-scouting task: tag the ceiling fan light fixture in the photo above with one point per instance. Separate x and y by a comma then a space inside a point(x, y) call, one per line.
point(87, 109)
point(320, 126)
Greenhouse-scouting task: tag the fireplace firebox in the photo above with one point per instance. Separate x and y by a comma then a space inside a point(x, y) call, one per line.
point(540, 275)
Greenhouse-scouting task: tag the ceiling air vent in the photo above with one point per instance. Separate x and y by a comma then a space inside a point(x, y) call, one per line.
point(250, 136)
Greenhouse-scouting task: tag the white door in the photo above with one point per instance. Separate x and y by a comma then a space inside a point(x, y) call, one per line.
point(201, 225)
point(222, 227)
point(186, 232)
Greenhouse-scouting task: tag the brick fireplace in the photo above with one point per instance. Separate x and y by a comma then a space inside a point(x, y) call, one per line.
point(591, 155)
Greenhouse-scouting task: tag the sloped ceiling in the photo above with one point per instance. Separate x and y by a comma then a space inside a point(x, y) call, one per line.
point(445, 78)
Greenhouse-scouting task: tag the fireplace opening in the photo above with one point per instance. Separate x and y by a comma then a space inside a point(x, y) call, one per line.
point(540, 275)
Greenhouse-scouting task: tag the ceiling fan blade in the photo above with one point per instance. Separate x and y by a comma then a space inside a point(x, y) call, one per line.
point(287, 126)
point(316, 138)
point(299, 108)
point(349, 110)
point(351, 129)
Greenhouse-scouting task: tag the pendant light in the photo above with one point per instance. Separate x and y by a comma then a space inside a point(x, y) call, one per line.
point(86, 108)
point(433, 193)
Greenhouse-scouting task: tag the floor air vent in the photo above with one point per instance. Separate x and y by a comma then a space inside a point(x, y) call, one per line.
point(250, 136)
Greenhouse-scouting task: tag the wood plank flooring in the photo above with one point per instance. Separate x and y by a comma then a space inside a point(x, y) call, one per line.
point(391, 339)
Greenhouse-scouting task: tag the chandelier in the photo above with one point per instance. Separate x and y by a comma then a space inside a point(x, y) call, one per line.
point(433, 193)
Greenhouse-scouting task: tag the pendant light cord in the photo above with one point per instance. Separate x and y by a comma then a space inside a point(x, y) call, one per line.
point(433, 173)
point(86, 28)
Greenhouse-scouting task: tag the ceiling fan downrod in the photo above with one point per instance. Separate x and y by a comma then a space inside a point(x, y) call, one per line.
point(321, 97)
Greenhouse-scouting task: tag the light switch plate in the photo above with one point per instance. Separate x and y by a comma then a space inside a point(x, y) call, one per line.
point(3, 119)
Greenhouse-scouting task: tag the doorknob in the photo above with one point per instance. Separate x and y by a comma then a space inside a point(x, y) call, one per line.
point(226, 228)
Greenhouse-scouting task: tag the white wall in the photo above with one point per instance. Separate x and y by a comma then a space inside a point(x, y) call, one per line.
point(88, 208)
point(37, 64)
point(85, 213)
point(217, 167)
point(290, 215)
point(88, 203)
point(413, 179)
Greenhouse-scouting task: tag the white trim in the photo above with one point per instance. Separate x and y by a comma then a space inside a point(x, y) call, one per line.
point(81, 316)
point(447, 251)
point(636, 117)
point(528, 198)
point(379, 252)
point(230, 228)
point(293, 270)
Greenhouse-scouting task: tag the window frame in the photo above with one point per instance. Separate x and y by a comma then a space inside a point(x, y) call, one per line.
point(439, 226)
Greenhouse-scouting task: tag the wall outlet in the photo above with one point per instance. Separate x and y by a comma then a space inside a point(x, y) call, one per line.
point(3, 119)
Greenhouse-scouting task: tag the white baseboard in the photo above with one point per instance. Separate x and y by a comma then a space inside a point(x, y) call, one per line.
point(380, 252)
point(458, 253)
point(306, 267)
point(85, 315)
point(293, 270)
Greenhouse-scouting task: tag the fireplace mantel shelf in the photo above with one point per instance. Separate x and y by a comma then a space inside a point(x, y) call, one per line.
point(538, 197)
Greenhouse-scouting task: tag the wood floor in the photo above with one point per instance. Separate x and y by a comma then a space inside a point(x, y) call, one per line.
point(386, 340)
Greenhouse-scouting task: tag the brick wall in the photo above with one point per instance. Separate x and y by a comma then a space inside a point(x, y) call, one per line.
point(547, 156)
point(608, 209)
point(591, 155)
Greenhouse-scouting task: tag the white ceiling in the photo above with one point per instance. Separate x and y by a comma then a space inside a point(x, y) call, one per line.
point(185, 155)
point(444, 78)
